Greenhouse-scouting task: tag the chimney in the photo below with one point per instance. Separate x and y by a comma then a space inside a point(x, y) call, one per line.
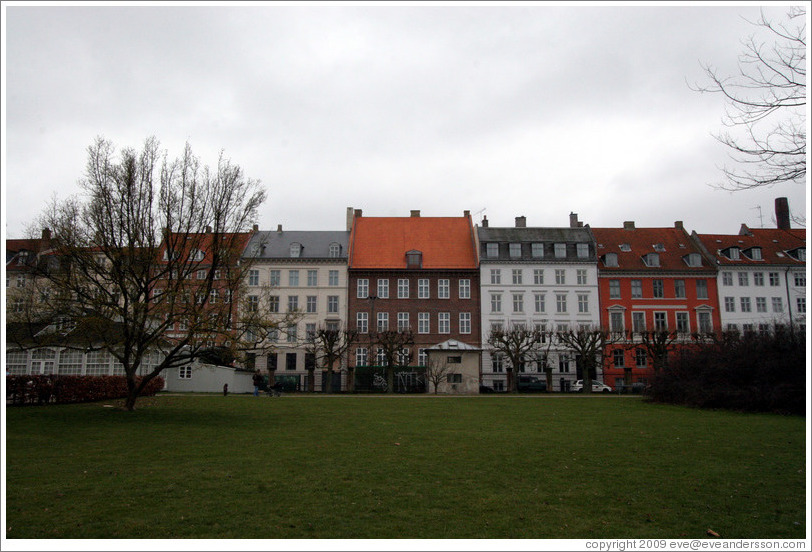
point(255, 228)
point(359, 213)
point(574, 220)
point(485, 221)
point(279, 229)
point(46, 233)
point(678, 225)
point(415, 213)
point(782, 213)
point(350, 216)
point(208, 229)
point(521, 222)
point(466, 213)
point(628, 225)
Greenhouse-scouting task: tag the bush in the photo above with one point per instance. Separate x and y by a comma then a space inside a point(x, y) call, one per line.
point(54, 389)
point(752, 373)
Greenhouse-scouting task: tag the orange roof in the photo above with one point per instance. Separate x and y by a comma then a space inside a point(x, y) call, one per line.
point(774, 244)
point(382, 242)
point(671, 244)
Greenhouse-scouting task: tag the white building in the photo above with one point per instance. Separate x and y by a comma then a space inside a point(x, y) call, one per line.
point(304, 272)
point(537, 277)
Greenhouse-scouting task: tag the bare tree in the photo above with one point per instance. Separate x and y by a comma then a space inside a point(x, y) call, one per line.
point(766, 100)
point(150, 256)
point(588, 344)
point(436, 371)
point(546, 339)
point(516, 343)
point(395, 346)
point(329, 344)
point(657, 344)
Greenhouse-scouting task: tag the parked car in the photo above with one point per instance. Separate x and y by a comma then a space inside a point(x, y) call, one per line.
point(530, 384)
point(597, 387)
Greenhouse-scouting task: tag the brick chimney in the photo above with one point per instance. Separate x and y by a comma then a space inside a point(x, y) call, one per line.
point(782, 213)
point(628, 225)
point(46, 233)
point(521, 222)
point(279, 229)
point(350, 217)
point(415, 213)
point(574, 223)
point(485, 221)
point(678, 225)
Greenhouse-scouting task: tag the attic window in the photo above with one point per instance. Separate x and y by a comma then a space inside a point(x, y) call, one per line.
point(754, 253)
point(731, 253)
point(537, 250)
point(335, 250)
point(693, 259)
point(515, 250)
point(798, 254)
point(492, 250)
point(414, 259)
point(651, 259)
point(582, 250)
point(625, 247)
point(295, 250)
point(560, 250)
point(196, 255)
point(610, 259)
point(659, 247)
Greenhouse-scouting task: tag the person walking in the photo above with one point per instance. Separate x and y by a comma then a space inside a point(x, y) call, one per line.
point(257, 383)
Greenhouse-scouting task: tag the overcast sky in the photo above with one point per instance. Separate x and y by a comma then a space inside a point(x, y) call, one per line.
point(533, 110)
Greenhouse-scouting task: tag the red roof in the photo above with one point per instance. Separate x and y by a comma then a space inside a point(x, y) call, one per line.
point(631, 244)
point(204, 241)
point(774, 244)
point(382, 242)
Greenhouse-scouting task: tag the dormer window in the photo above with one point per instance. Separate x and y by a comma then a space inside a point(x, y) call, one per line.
point(335, 250)
point(693, 259)
point(492, 250)
point(295, 250)
point(754, 253)
point(537, 250)
point(731, 253)
point(659, 247)
point(196, 255)
point(582, 249)
point(610, 259)
point(515, 250)
point(560, 250)
point(414, 259)
point(625, 247)
point(798, 254)
point(651, 259)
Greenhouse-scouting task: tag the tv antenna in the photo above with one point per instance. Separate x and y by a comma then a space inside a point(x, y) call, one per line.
point(760, 217)
point(480, 212)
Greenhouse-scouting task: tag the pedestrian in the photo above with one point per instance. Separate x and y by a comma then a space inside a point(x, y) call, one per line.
point(257, 383)
point(225, 390)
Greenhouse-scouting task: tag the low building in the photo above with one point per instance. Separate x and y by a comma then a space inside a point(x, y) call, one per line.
point(458, 365)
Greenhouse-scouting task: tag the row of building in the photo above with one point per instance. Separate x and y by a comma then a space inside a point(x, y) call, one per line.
point(452, 282)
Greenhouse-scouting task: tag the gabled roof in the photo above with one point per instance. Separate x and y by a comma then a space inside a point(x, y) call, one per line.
point(185, 243)
point(315, 244)
point(453, 345)
point(382, 242)
point(773, 242)
point(672, 245)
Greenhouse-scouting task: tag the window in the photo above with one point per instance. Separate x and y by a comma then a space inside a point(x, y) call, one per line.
point(560, 303)
point(293, 303)
point(754, 253)
point(464, 287)
point(185, 372)
point(538, 276)
point(618, 358)
point(310, 332)
point(761, 304)
point(563, 363)
point(732, 253)
point(518, 302)
point(443, 288)
point(580, 276)
point(253, 277)
point(651, 259)
point(758, 278)
point(253, 303)
point(582, 249)
point(498, 362)
point(640, 358)
point(537, 250)
point(403, 288)
point(745, 303)
point(492, 250)
point(679, 288)
point(361, 354)
point(295, 250)
point(383, 321)
point(213, 294)
point(774, 279)
point(560, 276)
point(610, 259)
point(362, 288)
point(657, 286)
point(98, 363)
point(743, 279)
point(201, 275)
point(403, 321)
point(196, 255)
point(443, 322)
point(764, 329)
point(637, 289)
point(616, 321)
point(414, 259)
point(293, 277)
point(660, 323)
point(693, 259)
point(290, 361)
point(465, 322)
point(701, 289)
point(800, 279)
point(423, 322)
point(311, 303)
point(682, 323)
point(727, 278)
point(496, 276)
point(730, 304)
point(312, 278)
point(515, 250)
point(383, 288)
point(614, 289)
point(778, 304)
point(705, 322)
point(273, 302)
point(276, 277)
point(362, 322)
point(332, 304)
point(70, 362)
point(454, 378)
point(335, 250)
point(560, 250)
point(800, 304)
point(496, 302)
point(583, 303)
point(538, 299)
point(638, 322)
point(516, 274)
point(423, 288)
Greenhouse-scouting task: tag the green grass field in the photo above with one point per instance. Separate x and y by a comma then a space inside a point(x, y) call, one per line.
point(402, 467)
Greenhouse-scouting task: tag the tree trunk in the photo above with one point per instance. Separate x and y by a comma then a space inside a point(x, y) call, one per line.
point(311, 380)
point(328, 385)
point(511, 381)
point(548, 371)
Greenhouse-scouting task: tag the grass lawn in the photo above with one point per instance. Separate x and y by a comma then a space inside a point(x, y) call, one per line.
point(402, 467)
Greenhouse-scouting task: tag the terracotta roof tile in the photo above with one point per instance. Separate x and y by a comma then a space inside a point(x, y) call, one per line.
point(774, 244)
point(631, 245)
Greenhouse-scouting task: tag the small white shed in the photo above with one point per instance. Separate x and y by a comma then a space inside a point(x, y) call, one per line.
point(460, 363)
point(208, 378)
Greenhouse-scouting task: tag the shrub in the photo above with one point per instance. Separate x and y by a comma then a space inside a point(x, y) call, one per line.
point(752, 372)
point(54, 389)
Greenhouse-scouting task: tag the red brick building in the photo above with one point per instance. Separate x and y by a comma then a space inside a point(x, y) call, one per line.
point(652, 279)
point(417, 273)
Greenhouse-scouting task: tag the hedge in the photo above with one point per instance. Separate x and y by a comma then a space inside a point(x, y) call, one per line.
point(55, 389)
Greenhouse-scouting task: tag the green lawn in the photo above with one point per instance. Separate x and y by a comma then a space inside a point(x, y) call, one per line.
point(402, 467)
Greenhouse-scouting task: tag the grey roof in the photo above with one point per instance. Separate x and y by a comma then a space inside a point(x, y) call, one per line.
point(546, 236)
point(315, 244)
